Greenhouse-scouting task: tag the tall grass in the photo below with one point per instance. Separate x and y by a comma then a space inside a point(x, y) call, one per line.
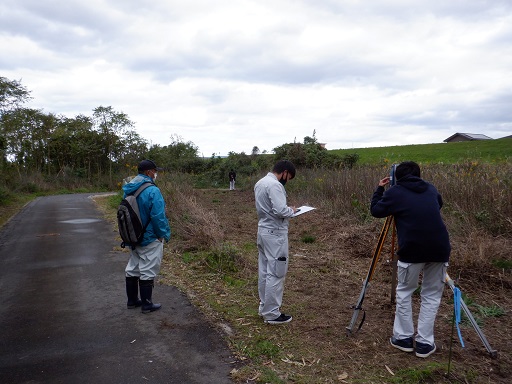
point(65, 182)
point(477, 203)
point(475, 195)
point(198, 228)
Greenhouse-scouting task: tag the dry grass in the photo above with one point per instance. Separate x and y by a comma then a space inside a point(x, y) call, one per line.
point(196, 228)
point(477, 204)
point(475, 195)
point(324, 281)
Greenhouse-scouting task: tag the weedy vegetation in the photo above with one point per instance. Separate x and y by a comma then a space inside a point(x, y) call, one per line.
point(212, 257)
point(330, 251)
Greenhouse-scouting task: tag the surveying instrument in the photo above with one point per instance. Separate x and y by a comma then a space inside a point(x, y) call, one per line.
point(358, 307)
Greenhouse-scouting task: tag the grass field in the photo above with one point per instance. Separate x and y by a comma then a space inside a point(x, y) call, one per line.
point(489, 151)
point(213, 258)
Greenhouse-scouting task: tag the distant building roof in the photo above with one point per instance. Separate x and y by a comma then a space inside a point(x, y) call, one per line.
point(467, 137)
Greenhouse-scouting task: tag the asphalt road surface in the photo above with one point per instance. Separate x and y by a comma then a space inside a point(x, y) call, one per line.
point(63, 316)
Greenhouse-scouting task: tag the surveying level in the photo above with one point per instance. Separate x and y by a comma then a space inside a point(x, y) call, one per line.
point(492, 352)
point(376, 254)
point(392, 177)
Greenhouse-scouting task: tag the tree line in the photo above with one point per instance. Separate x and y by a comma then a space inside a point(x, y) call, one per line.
point(105, 146)
point(33, 141)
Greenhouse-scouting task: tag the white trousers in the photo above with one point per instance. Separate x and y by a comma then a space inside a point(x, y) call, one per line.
point(272, 269)
point(431, 293)
point(231, 185)
point(145, 261)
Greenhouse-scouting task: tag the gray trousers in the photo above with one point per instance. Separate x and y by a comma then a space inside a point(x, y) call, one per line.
point(431, 292)
point(145, 261)
point(272, 269)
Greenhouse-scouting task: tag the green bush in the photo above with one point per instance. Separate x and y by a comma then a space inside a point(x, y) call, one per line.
point(503, 264)
point(222, 259)
point(115, 200)
point(5, 196)
point(308, 239)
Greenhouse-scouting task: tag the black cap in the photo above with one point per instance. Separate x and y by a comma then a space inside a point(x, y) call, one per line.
point(146, 165)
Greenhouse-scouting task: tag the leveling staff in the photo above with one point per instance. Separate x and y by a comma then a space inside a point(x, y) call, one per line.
point(423, 245)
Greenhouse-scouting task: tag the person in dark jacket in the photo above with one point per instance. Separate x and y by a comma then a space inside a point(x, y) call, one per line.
point(423, 246)
point(232, 179)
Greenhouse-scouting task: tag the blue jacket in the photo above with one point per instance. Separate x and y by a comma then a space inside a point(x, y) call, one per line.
point(415, 206)
point(152, 208)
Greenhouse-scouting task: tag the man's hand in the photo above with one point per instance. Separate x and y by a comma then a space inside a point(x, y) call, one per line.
point(384, 182)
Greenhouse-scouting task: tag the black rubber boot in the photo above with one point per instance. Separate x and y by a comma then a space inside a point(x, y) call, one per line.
point(132, 291)
point(146, 291)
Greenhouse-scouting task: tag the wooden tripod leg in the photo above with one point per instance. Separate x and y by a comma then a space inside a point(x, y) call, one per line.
point(376, 254)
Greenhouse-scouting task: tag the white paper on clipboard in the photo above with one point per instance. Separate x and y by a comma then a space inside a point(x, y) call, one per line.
point(302, 210)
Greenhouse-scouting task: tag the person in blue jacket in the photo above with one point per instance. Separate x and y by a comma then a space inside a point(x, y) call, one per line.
point(146, 258)
point(423, 246)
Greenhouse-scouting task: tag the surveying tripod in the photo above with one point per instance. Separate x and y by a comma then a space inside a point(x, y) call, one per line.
point(376, 255)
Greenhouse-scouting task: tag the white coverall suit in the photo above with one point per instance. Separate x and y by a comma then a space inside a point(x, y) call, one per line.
point(273, 218)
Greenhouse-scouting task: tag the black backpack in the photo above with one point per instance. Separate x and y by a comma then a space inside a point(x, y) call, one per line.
point(128, 219)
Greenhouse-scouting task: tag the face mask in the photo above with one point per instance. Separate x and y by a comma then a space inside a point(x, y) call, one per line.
point(282, 180)
point(154, 178)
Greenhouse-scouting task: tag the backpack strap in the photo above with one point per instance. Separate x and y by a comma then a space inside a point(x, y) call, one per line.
point(138, 192)
point(141, 188)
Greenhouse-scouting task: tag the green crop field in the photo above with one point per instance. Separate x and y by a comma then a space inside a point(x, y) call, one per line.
point(488, 151)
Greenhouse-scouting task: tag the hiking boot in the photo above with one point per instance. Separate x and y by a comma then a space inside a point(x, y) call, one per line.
point(424, 350)
point(280, 320)
point(402, 344)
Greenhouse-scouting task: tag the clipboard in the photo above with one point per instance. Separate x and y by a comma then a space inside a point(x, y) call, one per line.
point(303, 209)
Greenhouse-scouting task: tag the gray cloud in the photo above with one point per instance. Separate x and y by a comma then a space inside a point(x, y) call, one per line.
point(385, 69)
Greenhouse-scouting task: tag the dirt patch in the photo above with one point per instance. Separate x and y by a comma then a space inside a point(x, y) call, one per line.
point(329, 259)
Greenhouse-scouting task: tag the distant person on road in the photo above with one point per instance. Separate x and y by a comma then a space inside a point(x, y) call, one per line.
point(423, 246)
point(232, 180)
point(146, 258)
point(273, 217)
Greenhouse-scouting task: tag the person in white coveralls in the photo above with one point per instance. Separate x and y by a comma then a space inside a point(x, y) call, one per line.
point(273, 218)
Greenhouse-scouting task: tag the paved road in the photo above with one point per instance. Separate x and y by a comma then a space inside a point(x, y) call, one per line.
point(63, 317)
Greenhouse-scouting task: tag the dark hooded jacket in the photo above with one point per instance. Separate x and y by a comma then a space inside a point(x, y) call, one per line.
point(415, 206)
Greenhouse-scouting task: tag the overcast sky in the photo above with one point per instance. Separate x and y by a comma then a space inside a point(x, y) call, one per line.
point(229, 75)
